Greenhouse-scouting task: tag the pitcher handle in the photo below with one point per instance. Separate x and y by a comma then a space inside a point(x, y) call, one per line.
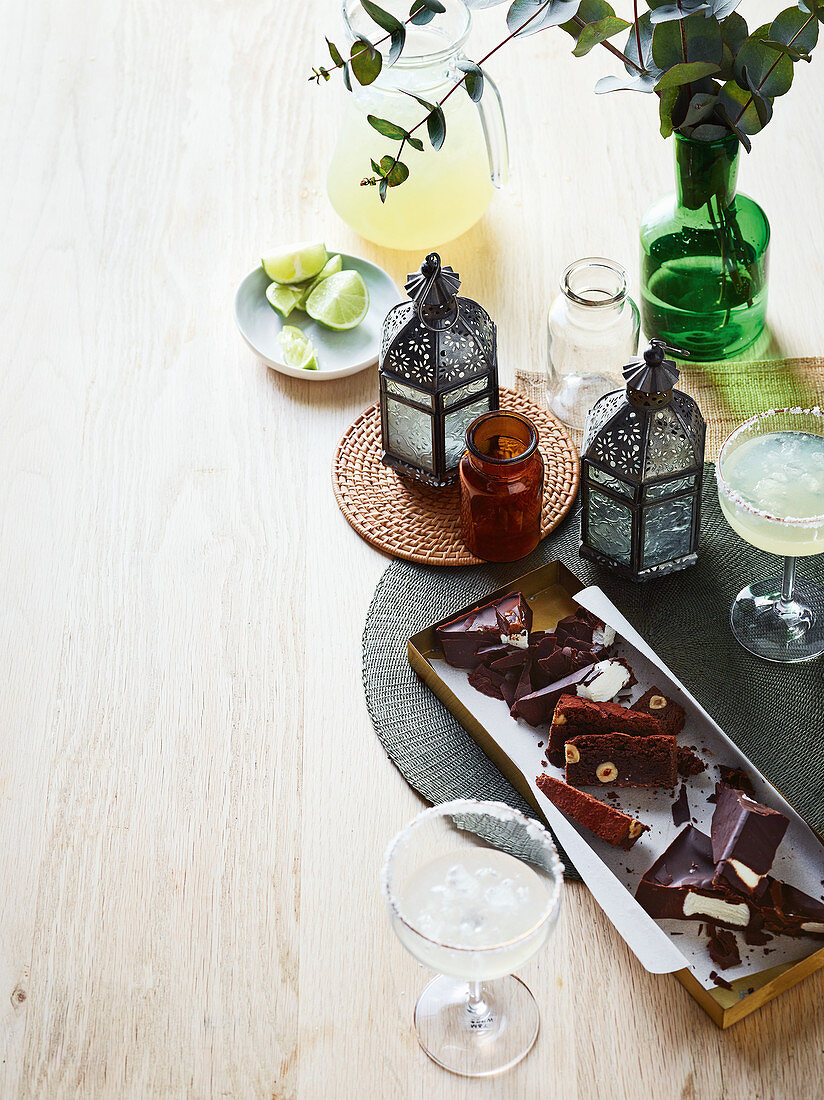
point(493, 123)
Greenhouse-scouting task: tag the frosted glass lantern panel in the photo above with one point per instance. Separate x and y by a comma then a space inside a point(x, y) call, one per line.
point(669, 449)
point(455, 425)
point(462, 392)
point(609, 527)
point(410, 434)
point(408, 393)
point(667, 531)
point(611, 482)
point(669, 488)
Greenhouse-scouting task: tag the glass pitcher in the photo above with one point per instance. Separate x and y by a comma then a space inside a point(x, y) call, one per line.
point(448, 190)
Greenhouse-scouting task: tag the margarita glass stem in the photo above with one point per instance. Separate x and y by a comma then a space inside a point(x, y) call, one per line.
point(476, 1006)
point(787, 586)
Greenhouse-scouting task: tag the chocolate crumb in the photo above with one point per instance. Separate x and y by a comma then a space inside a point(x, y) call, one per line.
point(540, 744)
point(723, 947)
point(756, 937)
point(722, 982)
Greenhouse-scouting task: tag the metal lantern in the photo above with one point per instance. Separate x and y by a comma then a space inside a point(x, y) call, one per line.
point(641, 470)
point(438, 371)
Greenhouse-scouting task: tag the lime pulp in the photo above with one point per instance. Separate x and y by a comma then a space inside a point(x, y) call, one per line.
point(340, 301)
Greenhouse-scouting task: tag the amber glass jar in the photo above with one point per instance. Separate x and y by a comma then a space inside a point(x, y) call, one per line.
point(502, 485)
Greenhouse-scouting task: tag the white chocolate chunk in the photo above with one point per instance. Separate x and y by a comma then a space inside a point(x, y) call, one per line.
point(812, 926)
point(696, 905)
point(745, 874)
point(603, 635)
point(608, 677)
point(521, 641)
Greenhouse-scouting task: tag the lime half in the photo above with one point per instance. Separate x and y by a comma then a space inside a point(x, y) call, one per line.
point(294, 265)
point(297, 349)
point(339, 302)
point(283, 298)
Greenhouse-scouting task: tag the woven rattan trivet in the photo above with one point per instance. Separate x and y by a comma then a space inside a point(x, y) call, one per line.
point(409, 520)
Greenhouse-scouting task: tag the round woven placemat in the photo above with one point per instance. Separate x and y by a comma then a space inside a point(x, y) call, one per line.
point(775, 713)
point(409, 520)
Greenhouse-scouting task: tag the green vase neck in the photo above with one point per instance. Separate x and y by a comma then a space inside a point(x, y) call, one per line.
point(706, 171)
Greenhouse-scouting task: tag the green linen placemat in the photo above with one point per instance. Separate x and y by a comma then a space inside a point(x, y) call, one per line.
point(775, 713)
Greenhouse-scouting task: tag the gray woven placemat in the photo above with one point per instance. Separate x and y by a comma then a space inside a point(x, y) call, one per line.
point(775, 713)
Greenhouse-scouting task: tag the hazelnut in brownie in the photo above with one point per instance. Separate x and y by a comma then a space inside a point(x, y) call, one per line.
point(679, 886)
point(611, 824)
point(573, 715)
point(621, 760)
point(670, 714)
point(745, 837)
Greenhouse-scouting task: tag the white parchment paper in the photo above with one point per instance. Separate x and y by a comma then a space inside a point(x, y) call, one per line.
point(613, 874)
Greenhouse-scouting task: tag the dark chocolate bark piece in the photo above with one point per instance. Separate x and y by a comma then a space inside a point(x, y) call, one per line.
point(611, 824)
point(621, 760)
point(790, 912)
point(745, 838)
point(514, 620)
point(461, 638)
point(574, 715)
point(736, 777)
point(540, 705)
point(681, 807)
point(679, 886)
point(670, 714)
point(487, 681)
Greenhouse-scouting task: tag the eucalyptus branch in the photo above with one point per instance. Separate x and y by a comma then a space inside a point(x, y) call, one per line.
point(769, 71)
point(637, 29)
point(323, 73)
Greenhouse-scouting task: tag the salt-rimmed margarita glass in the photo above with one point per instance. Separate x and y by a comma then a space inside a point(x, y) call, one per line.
point(473, 891)
point(770, 475)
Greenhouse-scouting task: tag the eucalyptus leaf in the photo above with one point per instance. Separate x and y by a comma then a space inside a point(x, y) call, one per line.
point(397, 175)
point(641, 82)
point(386, 128)
point(709, 132)
point(794, 29)
point(763, 106)
point(722, 9)
point(644, 58)
point(701, 106)
point(376, 168)
point(600, 31)
point(387, 22)
point(770, 71)
point(334, 53)
point(416, 143)
point(474, 79)
point(530, 16)
point(695, 38)
point(735, 106)
point(420, 15)
point(686, 73)
point(347, 78)
point(365, 62)
point(382, 190)
point(666, 13)
point(436, 128)
point(734, 31)
point(667, 106)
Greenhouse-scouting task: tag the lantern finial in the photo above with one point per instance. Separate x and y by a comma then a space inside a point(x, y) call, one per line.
point(653, 373)
point(433, 288)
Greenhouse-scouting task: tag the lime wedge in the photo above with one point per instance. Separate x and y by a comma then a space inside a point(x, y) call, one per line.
point(283, 298)
point(295, 264)
point(332, 266)
point(297, 349)
point(339, 302)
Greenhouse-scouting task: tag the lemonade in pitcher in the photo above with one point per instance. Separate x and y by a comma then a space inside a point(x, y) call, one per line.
point(448, 190)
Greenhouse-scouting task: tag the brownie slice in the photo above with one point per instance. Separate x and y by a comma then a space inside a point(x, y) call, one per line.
point(612, 825)
point(745, 837)
point(679, 886)
point(507, 619)
point(670, 714)
point(621, 760)
point(574, 715)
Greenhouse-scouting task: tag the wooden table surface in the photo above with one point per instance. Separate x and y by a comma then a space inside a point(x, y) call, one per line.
point(193, 804)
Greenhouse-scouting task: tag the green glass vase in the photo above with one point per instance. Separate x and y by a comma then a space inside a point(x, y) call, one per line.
point(704, 256)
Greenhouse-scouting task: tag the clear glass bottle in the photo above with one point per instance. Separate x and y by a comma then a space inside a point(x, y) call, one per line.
point(448, 190)
point(592, 331)
point(704, 252)
point(502, 487)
